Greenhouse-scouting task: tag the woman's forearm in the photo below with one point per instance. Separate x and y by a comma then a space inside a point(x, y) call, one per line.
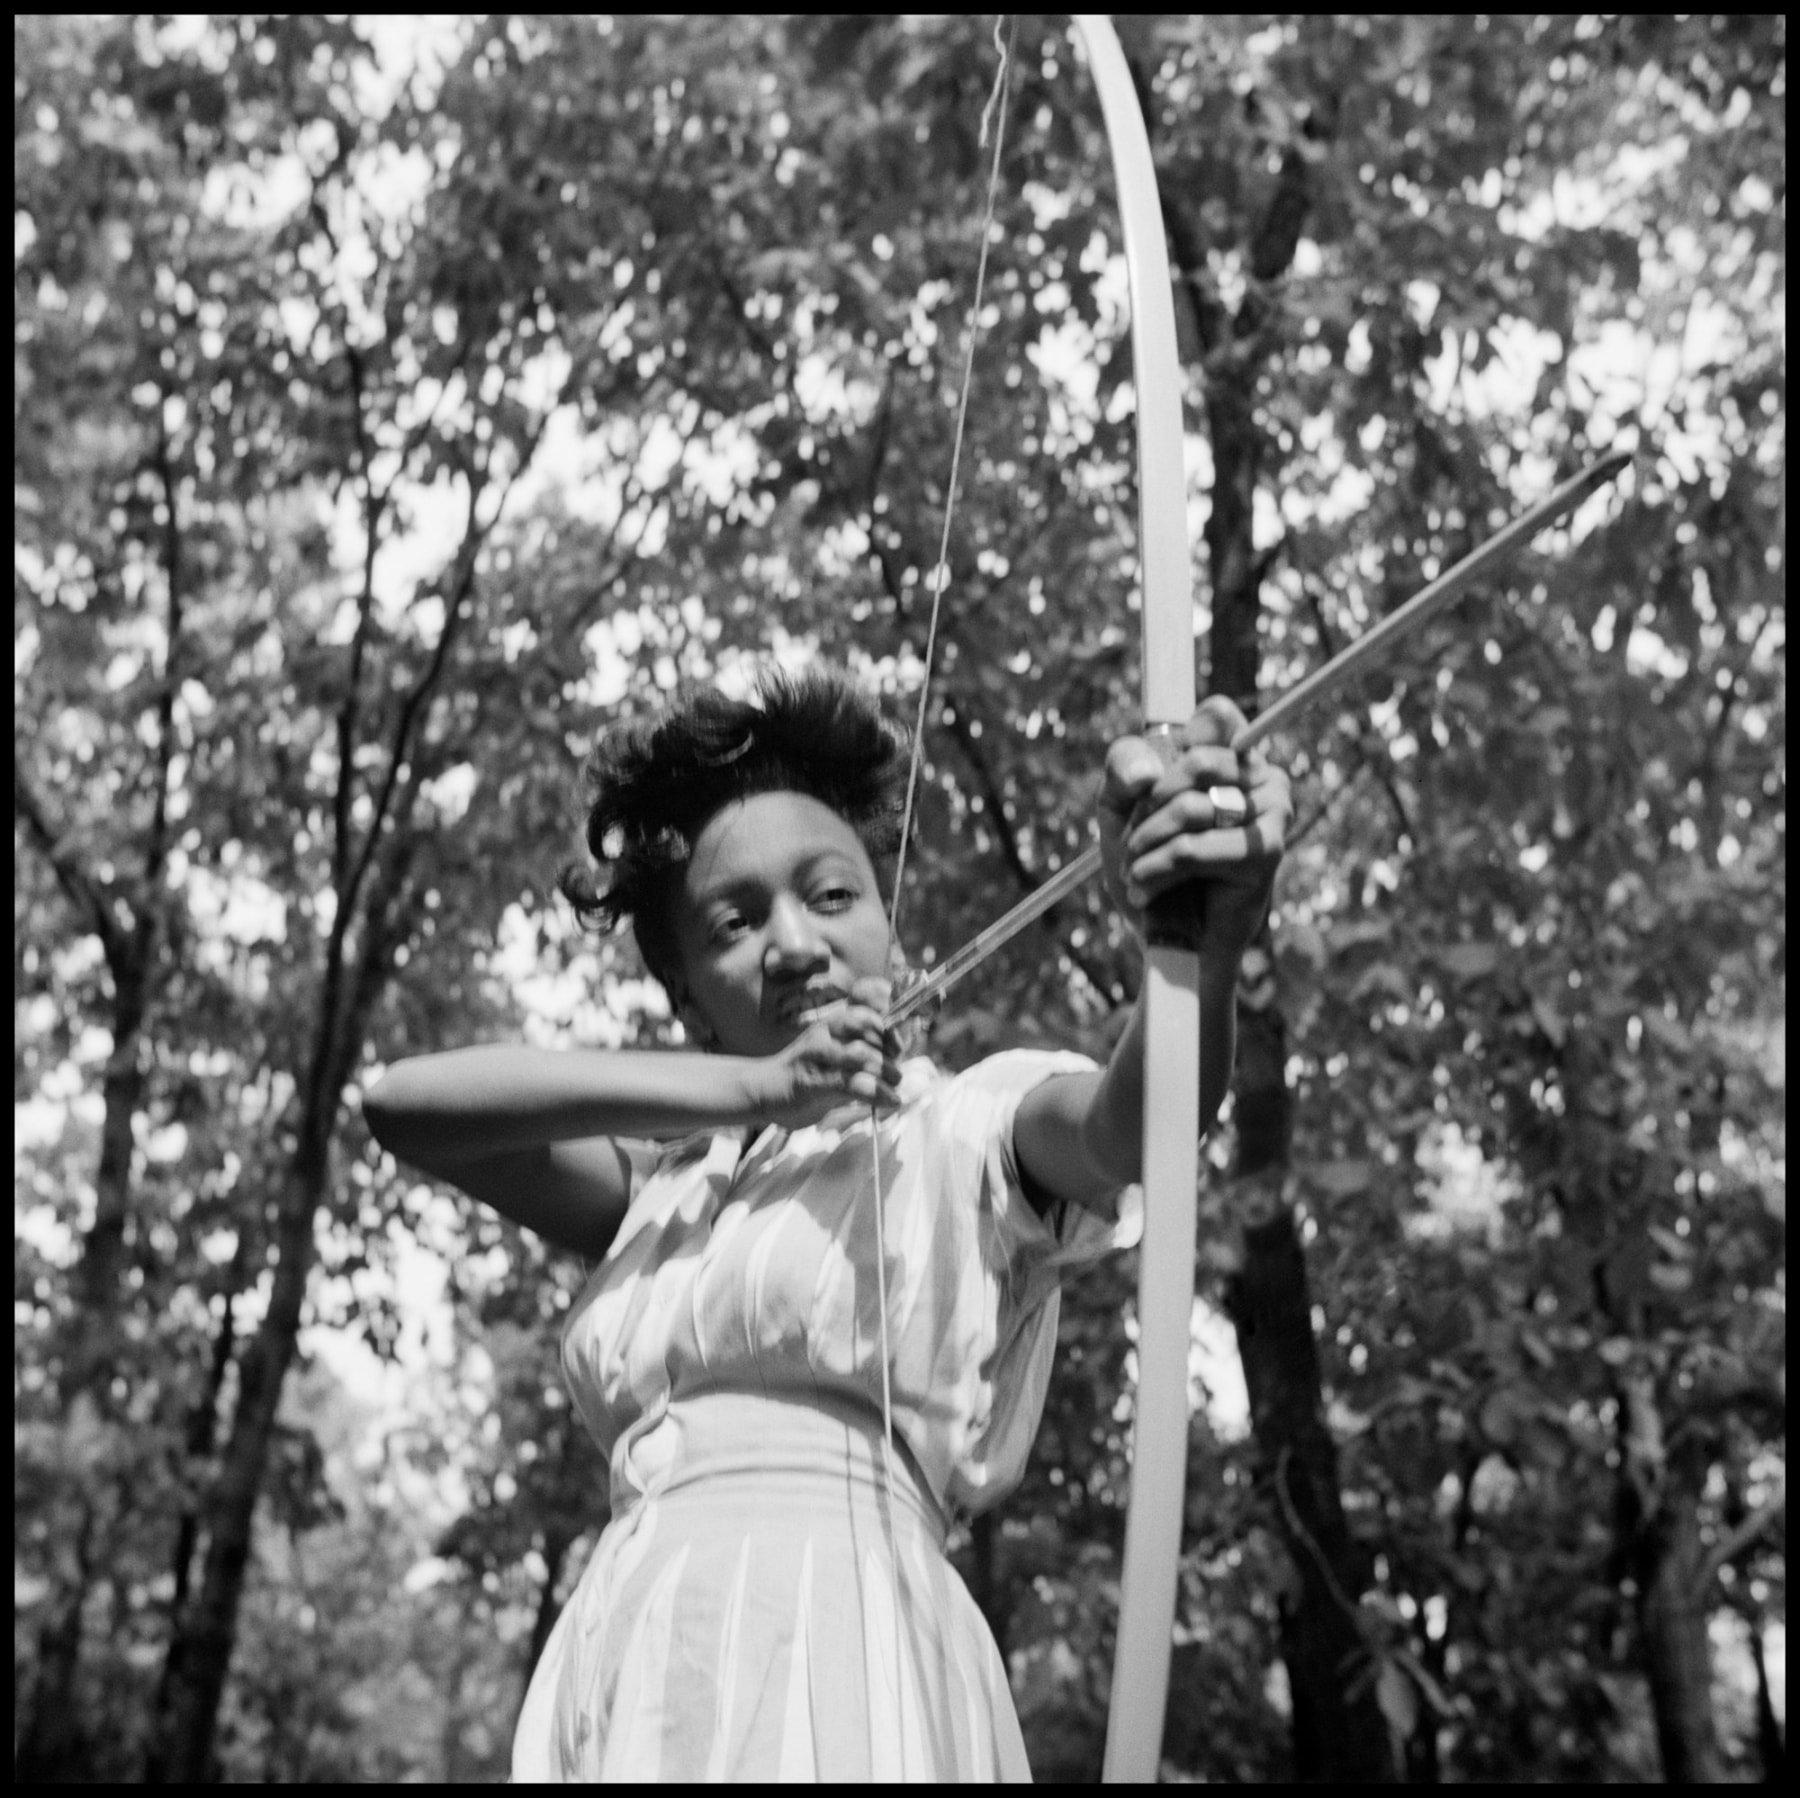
point(468, 1104)
point(1115, 1124)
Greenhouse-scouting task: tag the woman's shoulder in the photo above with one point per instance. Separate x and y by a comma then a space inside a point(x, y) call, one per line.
point(978, 1102)
point(1014, 1071)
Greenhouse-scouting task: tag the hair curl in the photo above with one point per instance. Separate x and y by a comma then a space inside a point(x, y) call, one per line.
point(652, 785)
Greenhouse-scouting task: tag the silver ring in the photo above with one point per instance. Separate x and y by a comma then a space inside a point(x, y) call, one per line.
point(1229, 805)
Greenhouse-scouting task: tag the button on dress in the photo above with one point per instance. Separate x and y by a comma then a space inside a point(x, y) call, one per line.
point(771, 1599)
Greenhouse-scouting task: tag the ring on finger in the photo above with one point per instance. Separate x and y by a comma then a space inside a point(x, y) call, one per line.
point(1229, 805)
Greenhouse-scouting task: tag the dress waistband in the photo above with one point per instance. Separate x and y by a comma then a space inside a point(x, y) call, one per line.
point(824, 1447)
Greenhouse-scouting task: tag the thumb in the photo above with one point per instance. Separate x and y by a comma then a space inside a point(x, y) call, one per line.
point(1216, 721)
point(1132, 769)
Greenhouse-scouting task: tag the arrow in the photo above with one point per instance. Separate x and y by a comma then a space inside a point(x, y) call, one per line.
point(1322, 682)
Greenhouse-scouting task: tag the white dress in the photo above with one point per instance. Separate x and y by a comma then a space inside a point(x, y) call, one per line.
point(771, 1599)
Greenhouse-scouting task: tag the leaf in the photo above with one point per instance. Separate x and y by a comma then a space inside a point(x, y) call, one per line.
point(1305, 940)
point(1677, 1248)
point(1500, 1417)
point(1625, 1273)
point(1549, 1020)
point(1470, 961)
point(1398, 1698)
point(1434, 1694)
point(1384, 977)
point(1343, 1179)
point(1544, 1444)
point(1668, 1031)
point(1354, 935)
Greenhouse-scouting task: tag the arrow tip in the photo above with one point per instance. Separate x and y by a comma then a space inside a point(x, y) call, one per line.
point(1597, 474)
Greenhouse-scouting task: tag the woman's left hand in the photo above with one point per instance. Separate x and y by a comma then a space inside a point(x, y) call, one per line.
point(1205, 819)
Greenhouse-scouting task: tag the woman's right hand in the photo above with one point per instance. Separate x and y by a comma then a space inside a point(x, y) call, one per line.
point(845, 1057)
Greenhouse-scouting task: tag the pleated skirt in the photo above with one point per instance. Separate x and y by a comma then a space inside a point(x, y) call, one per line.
point(775, 1607)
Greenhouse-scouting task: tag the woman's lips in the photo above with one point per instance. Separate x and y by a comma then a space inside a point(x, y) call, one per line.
point(808, 1006)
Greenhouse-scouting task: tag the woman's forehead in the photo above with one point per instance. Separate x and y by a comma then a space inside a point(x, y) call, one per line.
point(766, 836)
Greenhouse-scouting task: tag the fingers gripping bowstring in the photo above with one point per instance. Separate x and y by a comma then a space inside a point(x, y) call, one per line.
point(993, 117)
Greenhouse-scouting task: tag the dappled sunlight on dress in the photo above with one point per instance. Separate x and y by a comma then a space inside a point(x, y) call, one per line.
point(771, 1598)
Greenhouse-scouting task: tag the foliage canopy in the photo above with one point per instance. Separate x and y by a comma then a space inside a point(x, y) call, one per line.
point(387, 412)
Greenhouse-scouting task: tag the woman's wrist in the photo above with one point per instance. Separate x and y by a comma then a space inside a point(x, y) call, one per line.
point(746, 1089)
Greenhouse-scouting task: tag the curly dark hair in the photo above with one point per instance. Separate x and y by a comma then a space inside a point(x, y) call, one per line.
point(652, 784)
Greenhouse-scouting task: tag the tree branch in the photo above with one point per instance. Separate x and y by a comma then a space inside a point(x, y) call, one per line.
point(157, 848)
point(1729, 1547)
point(84, 890)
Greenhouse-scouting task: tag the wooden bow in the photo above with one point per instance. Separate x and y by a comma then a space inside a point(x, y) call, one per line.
point(1171, 973)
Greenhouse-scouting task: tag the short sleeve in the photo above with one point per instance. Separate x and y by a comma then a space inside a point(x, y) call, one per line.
point(641, 1159)
point(1066, 1235)
point(1029, 1252)
point(1023, 1256)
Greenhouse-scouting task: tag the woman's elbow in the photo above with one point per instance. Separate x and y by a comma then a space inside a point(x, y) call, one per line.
point(387, 1110)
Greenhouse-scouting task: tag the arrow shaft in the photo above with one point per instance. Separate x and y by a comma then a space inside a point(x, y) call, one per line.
point(1369, 648)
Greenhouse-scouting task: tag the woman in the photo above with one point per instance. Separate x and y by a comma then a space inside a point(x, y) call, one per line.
point(771, 1597)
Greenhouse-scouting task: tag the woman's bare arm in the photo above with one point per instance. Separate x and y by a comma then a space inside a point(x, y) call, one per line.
point(533, 1132)
point(1080, 1137)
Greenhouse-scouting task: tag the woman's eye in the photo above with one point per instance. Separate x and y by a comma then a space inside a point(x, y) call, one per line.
point(834, 898)
point(729, 926)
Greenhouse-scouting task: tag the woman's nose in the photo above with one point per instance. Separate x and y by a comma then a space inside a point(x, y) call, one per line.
point(794, 939)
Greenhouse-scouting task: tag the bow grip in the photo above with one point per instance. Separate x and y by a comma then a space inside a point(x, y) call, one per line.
point(1174, 920)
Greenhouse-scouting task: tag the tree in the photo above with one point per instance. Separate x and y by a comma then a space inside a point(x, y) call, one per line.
point(261, 721)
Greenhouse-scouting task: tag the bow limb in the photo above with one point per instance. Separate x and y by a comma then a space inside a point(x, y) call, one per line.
point(1171, 1167)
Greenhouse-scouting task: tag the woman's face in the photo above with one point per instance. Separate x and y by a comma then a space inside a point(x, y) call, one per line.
point(778, 913)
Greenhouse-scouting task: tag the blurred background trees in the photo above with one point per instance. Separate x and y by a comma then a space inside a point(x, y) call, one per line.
point(394, 406)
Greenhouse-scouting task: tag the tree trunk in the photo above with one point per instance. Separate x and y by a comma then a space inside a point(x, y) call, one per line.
point(1335, 1736)
point(202, 1431)
point(52, 1744)
point(122, 1094)
point(1659, 1494)
point(1672, 1622)
point(201, 1643)
point(455, 1763)
point(53, 1740)
point(1770, 1741)
point(50, 1750)
point(1236, 583)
